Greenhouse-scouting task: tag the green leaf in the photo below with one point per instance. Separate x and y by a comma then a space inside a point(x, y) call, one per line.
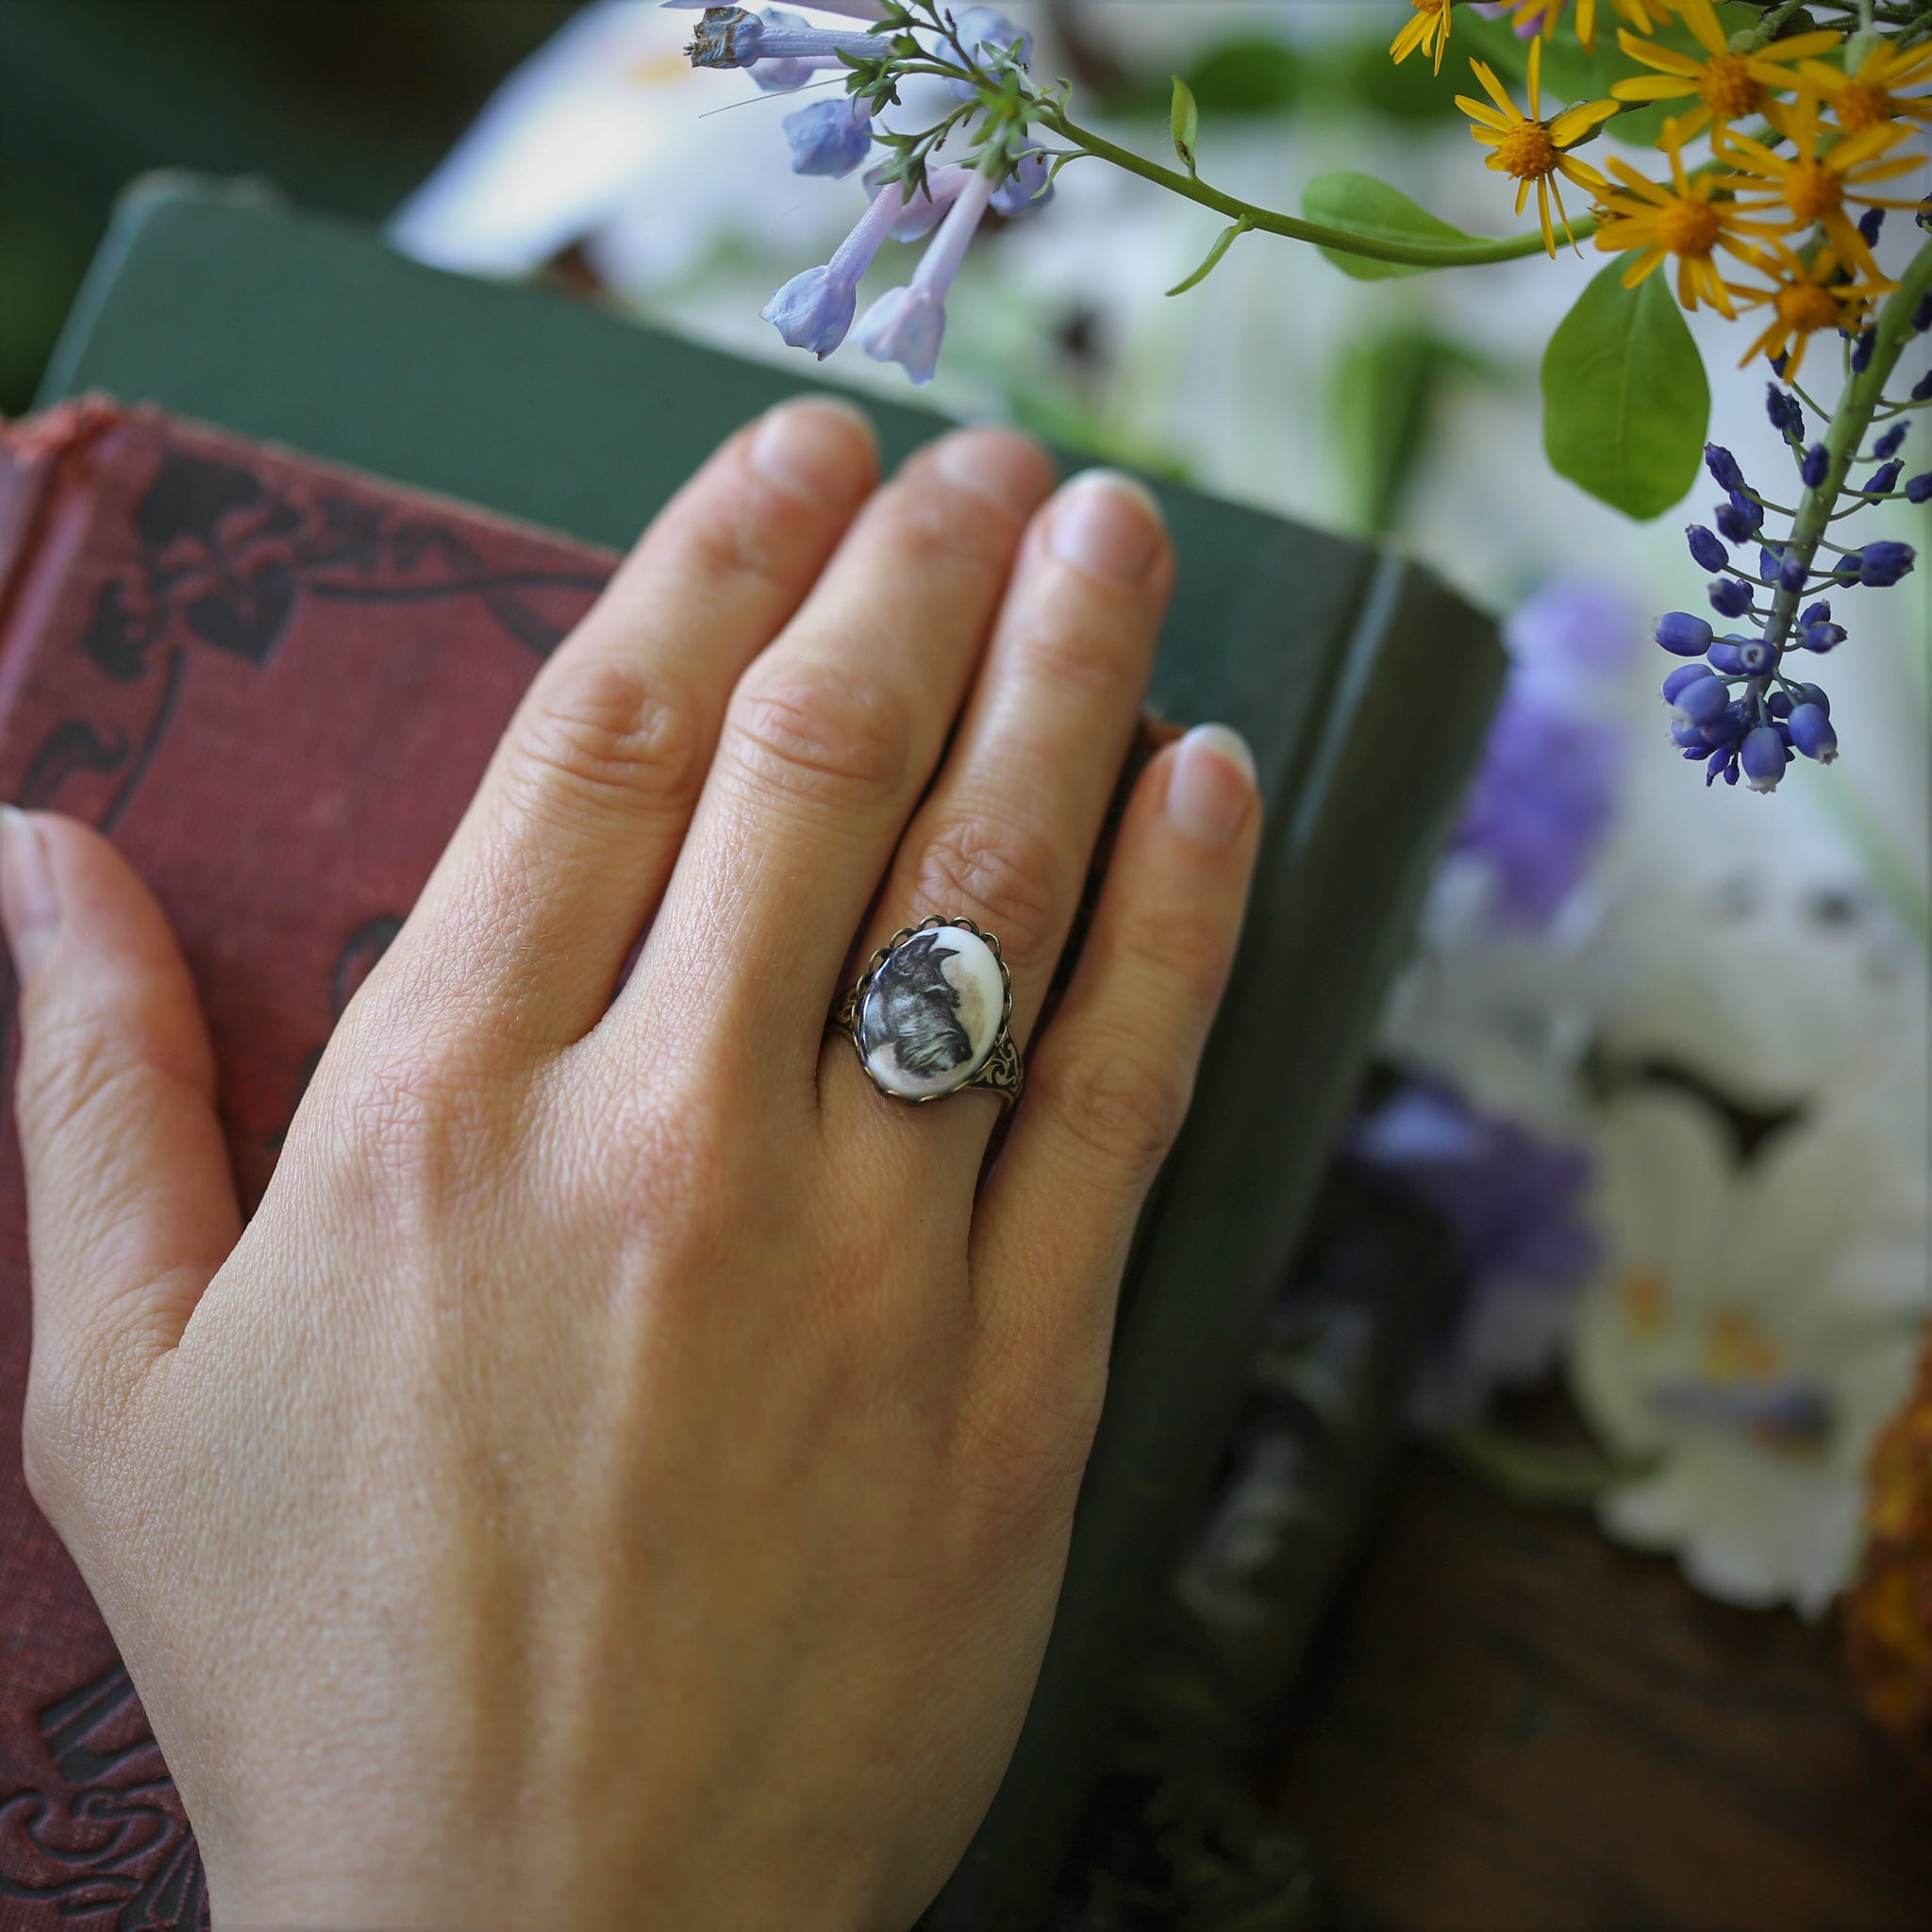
point(1378, 212)
point(1625, 402)
point(1186, 118)
point(1225, 241)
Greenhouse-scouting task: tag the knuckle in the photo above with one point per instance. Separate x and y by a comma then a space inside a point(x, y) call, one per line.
point(824, 736)
point(604, 731)
point(1114, 1103)
point(73, 1074)
point(1001, 876)
point(932, 542)
point(1088, 660)
point(1186, 950)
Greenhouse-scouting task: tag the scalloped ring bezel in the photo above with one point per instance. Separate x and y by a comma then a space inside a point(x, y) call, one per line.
point(1002, 1071)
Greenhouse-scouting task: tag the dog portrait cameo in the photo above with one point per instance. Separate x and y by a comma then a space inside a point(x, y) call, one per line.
point(932, 1013)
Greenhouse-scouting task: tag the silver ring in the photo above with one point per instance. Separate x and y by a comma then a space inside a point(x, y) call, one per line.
point(930, 1015)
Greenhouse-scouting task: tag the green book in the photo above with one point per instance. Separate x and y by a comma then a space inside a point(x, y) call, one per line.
point(1363, 683)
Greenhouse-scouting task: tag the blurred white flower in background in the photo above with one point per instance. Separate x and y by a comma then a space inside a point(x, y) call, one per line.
point(1754, 1331)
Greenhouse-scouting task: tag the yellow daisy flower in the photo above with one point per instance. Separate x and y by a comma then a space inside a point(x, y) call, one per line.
point(1530, 149)
point(1871, 97)
point(1681, 221)
point(1805, 299)
point(1645, 15)
point(1428, 30)
point(1817, 183)
point(1727, 86)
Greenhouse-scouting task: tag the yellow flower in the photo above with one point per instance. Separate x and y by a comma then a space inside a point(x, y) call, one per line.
point(1727, 86)
point(1871, 96)
point(1805, 299)
point(1818, 182)
point(1644, 15)
point(1428, 30)
point(1531, 149)
point(1680, 220)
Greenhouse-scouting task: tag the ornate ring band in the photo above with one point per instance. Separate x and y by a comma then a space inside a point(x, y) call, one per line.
point(929, 1017)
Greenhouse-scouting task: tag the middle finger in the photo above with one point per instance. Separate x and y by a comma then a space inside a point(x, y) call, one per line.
point(831, 736)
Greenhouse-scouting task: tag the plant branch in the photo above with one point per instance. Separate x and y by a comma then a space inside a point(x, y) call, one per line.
point(1343, 241)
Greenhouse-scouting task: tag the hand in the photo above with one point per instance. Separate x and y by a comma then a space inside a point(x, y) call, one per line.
point(620, 1476)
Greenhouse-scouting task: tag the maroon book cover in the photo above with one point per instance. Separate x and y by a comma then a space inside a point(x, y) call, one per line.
point(274, 685)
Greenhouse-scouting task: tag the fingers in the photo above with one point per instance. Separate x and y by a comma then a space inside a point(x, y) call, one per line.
point(1110, 1079)
point(830, 738)
point(132, 1207)
point(1008, 834)
point(565, 850)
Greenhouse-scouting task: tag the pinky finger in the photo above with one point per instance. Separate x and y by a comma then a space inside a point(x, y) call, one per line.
point(1111, 1076)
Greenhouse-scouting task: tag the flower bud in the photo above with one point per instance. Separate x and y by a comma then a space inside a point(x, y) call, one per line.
point(1888, 445)
point(1824, 637)
point(1920, 488)
point(1705, 551)
point(1881, 565)
point(1683, 674)
point(1882, 480)
point(1812, 734)
point(1729, 597)
point(1764, 757)
point(1817, 613)
point(1792, 575)
point(1733, 524)
point(1722, 466)
point(1815, 467)
point(1683, 635)
point(1701, 702)
point(1779, 704)
point(1725, 656)
point(1811, 695)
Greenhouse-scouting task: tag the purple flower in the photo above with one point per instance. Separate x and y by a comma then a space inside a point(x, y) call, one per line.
point(1026, 190)
point(1682, 676)
point(1920, 488)
point(1881, 480)
point(926, 211)
point(983, 31)
point(1735, 526)
point(1683, 635)
point(1514, 1206)
point(1545, 792)
point(1812, 734)
point(1792, 575)
point(1824, 637)
point(829, 137)
point(1881, 565)
point(1888, 445)
point(814, 310)
point(1700, 702)
point(1763, 756)
point(783, 49)
point(907, 325)
point(1729, 597)
point(1705, 551)
point(1722, 466)
point(1786, 416)
point(1816, 466)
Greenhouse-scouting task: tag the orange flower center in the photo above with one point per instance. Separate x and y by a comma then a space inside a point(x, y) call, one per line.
point(1689, 227)
point(1729, 90)
point(1861, 105)
point(1528, 152)
point(1805, 306)
point(1428, 5)
point(1812, 192)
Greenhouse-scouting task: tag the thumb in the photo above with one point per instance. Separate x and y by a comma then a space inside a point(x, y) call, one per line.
point(131, 1202)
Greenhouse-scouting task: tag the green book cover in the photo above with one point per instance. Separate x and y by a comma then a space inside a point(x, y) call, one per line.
point(1363, 683)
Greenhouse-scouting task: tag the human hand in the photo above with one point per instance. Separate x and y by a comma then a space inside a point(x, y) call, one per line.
point(622, 1474)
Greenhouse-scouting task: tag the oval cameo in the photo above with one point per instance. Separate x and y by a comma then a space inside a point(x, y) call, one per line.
point(932, 1012)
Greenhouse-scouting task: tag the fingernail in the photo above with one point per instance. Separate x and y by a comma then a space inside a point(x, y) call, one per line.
point(28, 909)
point(1109, 526)
point(1212, 785)
point(815, 448)
point(995, 464)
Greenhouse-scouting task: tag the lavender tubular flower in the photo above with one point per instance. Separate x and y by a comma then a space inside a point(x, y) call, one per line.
point(1763, 756)
point(1812, 733)
point(1881, 565)
point(1881, 481)
point(785, 47)
point(814, 310)
point(982, 31)
point(829, 137)
point(1026, 190)
point(1728, 598)
point(908, 324)
point(1705, 551)
point(1723, 468)
point(1683, 635)
point(924, 212)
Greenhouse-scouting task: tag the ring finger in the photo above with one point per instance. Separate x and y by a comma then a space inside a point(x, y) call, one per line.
point(1008, 834)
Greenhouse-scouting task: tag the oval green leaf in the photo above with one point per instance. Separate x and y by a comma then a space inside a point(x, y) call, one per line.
point(1185, 118)
point(1378, 212)
point(1626, 403)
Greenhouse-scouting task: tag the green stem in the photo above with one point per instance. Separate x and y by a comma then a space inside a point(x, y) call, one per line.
point(1413, 254)
point(1846, 435)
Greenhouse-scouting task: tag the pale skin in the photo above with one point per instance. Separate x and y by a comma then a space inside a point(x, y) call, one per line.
point(620, 1476)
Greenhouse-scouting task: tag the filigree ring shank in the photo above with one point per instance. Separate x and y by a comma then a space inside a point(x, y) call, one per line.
point(930, 1015)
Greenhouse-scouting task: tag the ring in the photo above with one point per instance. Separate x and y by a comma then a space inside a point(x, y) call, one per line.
point(929, 1017)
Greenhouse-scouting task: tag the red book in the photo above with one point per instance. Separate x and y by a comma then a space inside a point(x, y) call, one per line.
point(276, 685)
